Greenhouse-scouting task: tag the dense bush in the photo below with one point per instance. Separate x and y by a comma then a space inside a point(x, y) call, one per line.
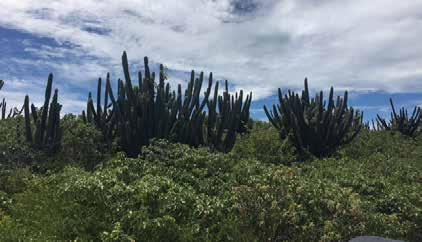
point(387, 143)
point(14, 152)
point(265, 145)
point(81, 145)
point(177, 193)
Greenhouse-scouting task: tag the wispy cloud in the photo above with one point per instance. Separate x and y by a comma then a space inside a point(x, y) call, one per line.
point(258, 45)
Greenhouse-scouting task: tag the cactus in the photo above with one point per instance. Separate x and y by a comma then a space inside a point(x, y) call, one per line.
point(312, 124)
point(48, 133)
point(102, 117)
point(145, 111)
point(232, 118)
point(151, 110)
point(401, 122)
point(13, 112)
point(3, 103)
point(3, 108)
point(189, 126)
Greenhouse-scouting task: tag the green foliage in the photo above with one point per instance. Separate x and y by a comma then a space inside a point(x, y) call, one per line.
point(263, 143)
point(173, 192)
point(14, 151)
point(315, 125)
point(82, 144)
point(48, 133)
point(386, 143)
point(157, 197)
point(257, 189)
point(401, 122)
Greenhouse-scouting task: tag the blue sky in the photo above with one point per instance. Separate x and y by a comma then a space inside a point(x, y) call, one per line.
point(371, 48)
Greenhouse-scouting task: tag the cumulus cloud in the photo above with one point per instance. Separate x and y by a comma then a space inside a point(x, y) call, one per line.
point(258, 45)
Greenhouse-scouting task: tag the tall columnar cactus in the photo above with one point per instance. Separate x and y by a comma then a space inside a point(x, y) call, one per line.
point(152, 110)
point(3, 103)
point(143, 112)
point(104, 117)
point(228, 115)
point(3, 109)
point(402, 122)
point(189, 126)
point(313, 124)
point(48, 133)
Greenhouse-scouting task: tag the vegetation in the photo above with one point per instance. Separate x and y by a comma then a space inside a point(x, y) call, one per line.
point(48, 133)
point(3, 103)
point(401, 122)
point(173, 192)
point(104, 119)
point(156, 165)
point(3, 109)
point(13, 112)
point(315, 125)
point(150, 110)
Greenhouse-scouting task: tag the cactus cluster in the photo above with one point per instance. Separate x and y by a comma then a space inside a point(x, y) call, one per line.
point(314, 125)
point(103, 117)
point(13, 112)
point(227, 112)
point(152, 110)
point(402, 122)
point(47, 132)
point(190, 116)
point(143, 112)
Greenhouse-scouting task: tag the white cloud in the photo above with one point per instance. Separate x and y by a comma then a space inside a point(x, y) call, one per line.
point(15, 90)
point(353, 44)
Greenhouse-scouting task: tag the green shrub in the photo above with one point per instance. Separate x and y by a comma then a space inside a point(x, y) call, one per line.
point(264, 144)
point(81, 145)
point(285, 205)
point(387, 143)
point(176, 193)
point(172, 194)
point(14, 152)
